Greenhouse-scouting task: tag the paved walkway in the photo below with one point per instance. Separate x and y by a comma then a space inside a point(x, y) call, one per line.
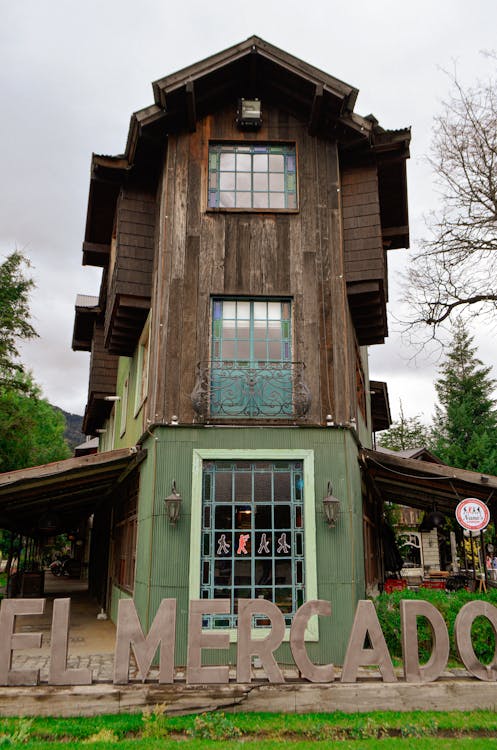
point(91, 640)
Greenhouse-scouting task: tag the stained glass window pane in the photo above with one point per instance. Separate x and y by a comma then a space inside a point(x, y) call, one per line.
point(252, 176)
point(253, 551)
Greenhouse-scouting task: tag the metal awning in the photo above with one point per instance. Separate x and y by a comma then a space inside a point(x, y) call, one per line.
point(73, 488)
point(419, 484)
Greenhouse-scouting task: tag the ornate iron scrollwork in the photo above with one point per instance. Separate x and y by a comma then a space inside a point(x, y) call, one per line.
point(270, 390)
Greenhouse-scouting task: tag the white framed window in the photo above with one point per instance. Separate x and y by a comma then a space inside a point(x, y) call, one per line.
point(253, 532)
point(142, 367)
point(124, 407)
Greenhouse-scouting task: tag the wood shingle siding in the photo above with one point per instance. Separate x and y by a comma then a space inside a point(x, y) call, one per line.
point(128, 298)
point(102, 383)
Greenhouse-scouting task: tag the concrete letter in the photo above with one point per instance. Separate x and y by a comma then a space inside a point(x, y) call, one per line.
point(366, 623)
point(410, 609)
point(462, 637)
point(261, 647)
point(130, 636)
point(10, 640)
point(197, 640)
point(308, 670)
point(59, 674)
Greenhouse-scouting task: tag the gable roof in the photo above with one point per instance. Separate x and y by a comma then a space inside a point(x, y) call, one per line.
point(252, 68)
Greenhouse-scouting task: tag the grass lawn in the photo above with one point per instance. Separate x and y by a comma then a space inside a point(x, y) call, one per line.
point(258, 730)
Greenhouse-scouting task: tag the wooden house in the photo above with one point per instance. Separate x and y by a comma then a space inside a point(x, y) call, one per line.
point(243, 238)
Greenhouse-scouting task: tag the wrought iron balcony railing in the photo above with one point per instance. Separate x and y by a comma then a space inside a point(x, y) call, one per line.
point(269, 390)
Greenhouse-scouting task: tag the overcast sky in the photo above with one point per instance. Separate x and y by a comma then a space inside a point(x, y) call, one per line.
point(71, 74)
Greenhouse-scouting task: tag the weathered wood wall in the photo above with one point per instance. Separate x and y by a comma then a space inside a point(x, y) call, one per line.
point(203, 253)
point(362, 239)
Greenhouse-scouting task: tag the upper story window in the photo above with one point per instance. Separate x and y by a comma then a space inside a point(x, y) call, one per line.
point(253, 176)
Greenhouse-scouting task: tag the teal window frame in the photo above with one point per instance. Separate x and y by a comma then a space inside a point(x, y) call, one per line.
point(252, 177)
point(251, 358)
point(309, 528)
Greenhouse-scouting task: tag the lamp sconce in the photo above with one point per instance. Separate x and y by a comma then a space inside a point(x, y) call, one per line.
point(249, 115)
point(112, 398)
point(331, 507)
point(173, 504)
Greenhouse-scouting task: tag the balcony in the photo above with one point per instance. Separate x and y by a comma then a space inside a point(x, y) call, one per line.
point(227, 390)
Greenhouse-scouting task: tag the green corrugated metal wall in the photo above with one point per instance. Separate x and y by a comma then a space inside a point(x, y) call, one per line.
point(163, 553)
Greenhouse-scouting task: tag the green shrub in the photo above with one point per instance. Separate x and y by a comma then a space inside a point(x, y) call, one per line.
point(448, 604)
point(214, 727)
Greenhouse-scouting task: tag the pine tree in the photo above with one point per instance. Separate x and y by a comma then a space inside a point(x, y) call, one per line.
point(465, 423)
point(406, 432)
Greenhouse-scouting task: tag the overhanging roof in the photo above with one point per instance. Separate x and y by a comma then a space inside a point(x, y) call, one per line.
point(72, 488)
point(419, 484)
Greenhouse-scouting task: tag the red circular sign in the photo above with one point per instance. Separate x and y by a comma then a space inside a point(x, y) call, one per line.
point(472, 514)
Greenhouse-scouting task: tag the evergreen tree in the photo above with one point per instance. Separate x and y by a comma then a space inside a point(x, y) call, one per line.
point(405, 433)
point(14, 317)
point(465, 423)
point(32, 431)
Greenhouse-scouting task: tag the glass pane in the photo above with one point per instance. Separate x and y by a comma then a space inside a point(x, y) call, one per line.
point(207, 487)
point(290, 163)
point(243, 576)
point(213, 180)
point(243, 200)
point(274, 310)
point(283, 543)
point(264, 544)
point(224, 517)
point(264, 572)
point(260, 351)
point(282, 491)
point(274, 351)
point(222, 573)
point(243, 486)
point(274, 330)
point(263, 517)
point(277, 182)
point(276, 200)
point(243, 181)
point(226, 200)
point(243, 310)
point(260, 162)
point(207, 517)
point(205, 573)
point(262, 488)
point(218, 310)
point(223, 486)
point(261, 200)
point(243, 329)
point(228, 350)
point(229, 309)
point(227, 181)
point(244, 163)
point(213, 200)
point(243, 517)
point(283, 599)
point(260, 311)
point(227, 162)
point(243, 350)
point(260, 181)
point(283, 572)
point(292, 201)
point(228, 329)
point(224, 544)
point(282, 517)
point(276, 163)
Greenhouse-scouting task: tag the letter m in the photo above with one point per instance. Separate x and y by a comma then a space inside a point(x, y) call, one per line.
point(130, 637)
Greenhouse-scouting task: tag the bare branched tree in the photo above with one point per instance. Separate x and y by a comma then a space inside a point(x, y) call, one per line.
point(456, 268)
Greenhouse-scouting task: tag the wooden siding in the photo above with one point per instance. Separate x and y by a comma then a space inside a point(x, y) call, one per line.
point(362, 240)
point(204, 253)
point(103, 375)
point(128, 299)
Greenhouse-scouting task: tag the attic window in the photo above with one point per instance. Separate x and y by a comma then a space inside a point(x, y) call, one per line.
point(254, 176)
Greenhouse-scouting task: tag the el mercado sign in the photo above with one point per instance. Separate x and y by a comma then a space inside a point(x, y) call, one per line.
point(161, 637)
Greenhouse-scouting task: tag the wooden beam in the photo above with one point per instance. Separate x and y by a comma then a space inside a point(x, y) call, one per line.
point(316, 109)
point(191, 116)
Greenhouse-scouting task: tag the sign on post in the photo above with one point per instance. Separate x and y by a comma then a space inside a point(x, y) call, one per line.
point(472, 514)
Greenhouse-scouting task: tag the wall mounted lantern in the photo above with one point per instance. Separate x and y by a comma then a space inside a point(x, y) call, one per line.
point(173, 504)
point(435, 518)
point(249, 116)
point(331, 507)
